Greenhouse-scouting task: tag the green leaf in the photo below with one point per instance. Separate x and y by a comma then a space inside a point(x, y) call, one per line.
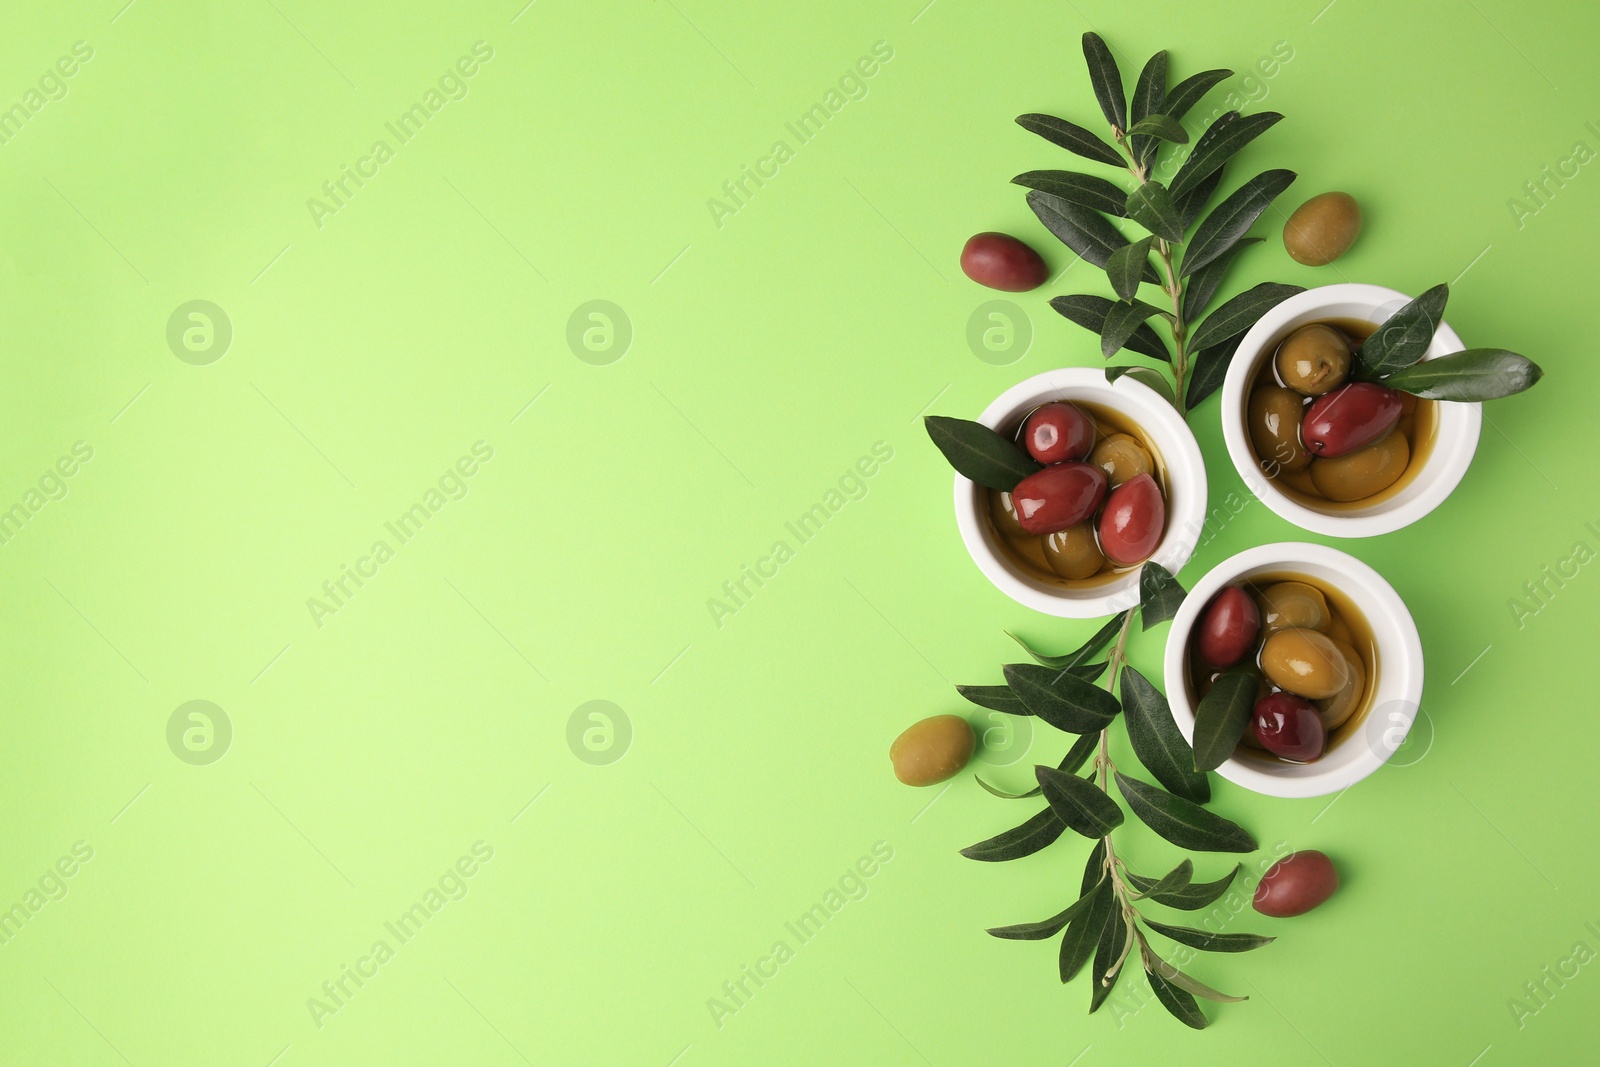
point(1085, 232)
point(1090, 311)
point(1003, 795)
point(1222, 717)
point(1083, 933)
point(1203, 284)
point(1231, 220)
point(1062, 699)
point(1094, 868)
point(1081, 804)
point(1078, 754)
point(1038, 832)
point(1191, 203)
point(1122, 320)
point(1073, 138)
point(1157, 741)
point(980, 454)
point(1149, 98)
point(1126, 266)
point(1163, 126)
point(1176, 878)
point(1237, 315)
point(1207, 941)
point(1208, 369)
point(1177, 1001)
point(1150, 206)
point(1191, 897)
point(1159, 594)
point(1085, 190)
point(1148, 376)
point(1219, 143)
point(1047, 927)
point(1192, 985)
point(1083, 653)
point(994, 697)
point(1183, 822)
point(1187, 93)
point(1476, 374)
point(1115, 937)
point(1404, 336)
point(1106, 79)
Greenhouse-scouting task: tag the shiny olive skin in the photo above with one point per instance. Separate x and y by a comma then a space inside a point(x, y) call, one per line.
point(1073, 553)
point(1289, 726)
point(1273, 419)
point(1133, 521)
point(1293, 605)
point(1296, 884)
point(1002, 262)
point(1364, 473)
point(930, 751)
point(1349, 419)
point(1228, 628)
point(1305, 663)
point(1314, 360)
point(1322, 229)
point(1057, 497)
point(1058, 432)
point(1004, 514)
point(1339, 707)
point(1122, 457)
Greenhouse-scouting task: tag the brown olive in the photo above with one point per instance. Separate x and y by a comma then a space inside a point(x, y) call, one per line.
point(1274, 424)
point(1304, 663)
point(1296, 884)
point(932, 750)
point(1122, 457)
point(1003, 262)
point(1322, 229)
point(1365, 473)
point(1314, 360)
point(1287, 605)
point(1004, 514)
point(1073, 553)
point(1339, 707)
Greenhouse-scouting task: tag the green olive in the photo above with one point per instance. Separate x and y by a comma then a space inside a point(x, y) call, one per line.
point(932, 750)
point(1339, 707)
point(1305, 663)
point(1004, 514)
point(1293, 605)
point(1274, 424)
point(1073, 553)
point(1322, 229)
point(1122, 457)
point(1363, 473)
point(1031, 549)
point(1314, 360)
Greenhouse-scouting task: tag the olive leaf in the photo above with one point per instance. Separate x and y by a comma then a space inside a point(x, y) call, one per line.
point(1062, 699)
point(1207, 941)
point(1475, 374)
point(1191, 897)
point(1191, 203)
point(1163, 126)
point(1078, 753)
point(1176, 878)
point(1115, 938)
point(1157, 741)
point(1083, 932)
point(1002, 794)
point(1198, 988)
point(1084, 231)
point(1122, 320)
point(1039, 832)
point(1183, 822)
point(1085, 190)
point(1085, 652)
point(1160, 594)
point(1230, 220)
point(978, 453)
point(1240, 313)
point(1207, 370)
point(1126, 267)
point(1221, 141)
point(1045, 928)
point(1106, 79)
point(1149, 98)
point(1151, 206)
point(1187, 93)
point(1204, 282)
point(1177, 1001)
point(995, 698)
point(1148, 376)
point(1222, 716)
point(1090, 311)
point(1094, 868)
point(1078, 803)
point(1073, 138)
point(1403, 337)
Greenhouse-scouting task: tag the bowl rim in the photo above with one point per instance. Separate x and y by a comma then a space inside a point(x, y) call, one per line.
point(1460, 424)
point(1399, 676)
point(1186, 498)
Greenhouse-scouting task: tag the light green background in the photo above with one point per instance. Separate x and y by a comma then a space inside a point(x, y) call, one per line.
point(769, 354)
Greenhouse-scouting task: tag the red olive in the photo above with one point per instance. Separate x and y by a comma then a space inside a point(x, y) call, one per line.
point(1058, 497)
point(1000, 261)
point(1296, 884)
point(1349, 419)
point(1058, 432)
point(1134, 519)
point(1229, 628)
point(1289, 726)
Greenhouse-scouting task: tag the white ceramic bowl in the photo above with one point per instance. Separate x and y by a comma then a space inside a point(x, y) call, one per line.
point(1163, 428)
point(1442, 470)
point(1395, 687)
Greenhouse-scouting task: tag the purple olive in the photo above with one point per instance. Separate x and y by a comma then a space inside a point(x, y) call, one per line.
point(1058, 432)
point(1296, 884)
point(1000, 261)
point(1228, 628)
point(1057, 497)
point(1133, 522)
point(1289, 726)
point(1349, 419)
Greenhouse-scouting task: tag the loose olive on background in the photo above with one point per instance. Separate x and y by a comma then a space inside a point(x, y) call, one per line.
point(1057, 497)
point(1314, 360)
point(1228, 628)
point(1002, 262)
point(1004, 514)
point(1122, 457)
point(932, 750)
point(1289, 726)
point(1365, 473)
point(1339, 707)
point(1293, 605)
point(1349, 419)
point(1073, 553)
point(1133, 521)
point(1058, 432)
point(1305, 663)
point(1322, 229)
point(1296, 884)
point(1273, 420)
